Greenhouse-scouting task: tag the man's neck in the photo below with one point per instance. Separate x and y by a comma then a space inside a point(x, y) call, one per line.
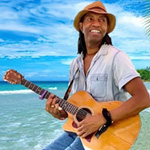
point(92, 50)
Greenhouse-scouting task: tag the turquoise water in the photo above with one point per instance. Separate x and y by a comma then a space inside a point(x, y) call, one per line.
point(25, 125)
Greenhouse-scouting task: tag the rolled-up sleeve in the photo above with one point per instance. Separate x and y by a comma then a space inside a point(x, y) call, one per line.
point(124, 70)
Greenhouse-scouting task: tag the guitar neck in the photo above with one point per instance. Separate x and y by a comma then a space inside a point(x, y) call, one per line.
point(62, 103)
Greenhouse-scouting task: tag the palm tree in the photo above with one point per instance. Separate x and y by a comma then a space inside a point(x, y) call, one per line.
point(147, 17)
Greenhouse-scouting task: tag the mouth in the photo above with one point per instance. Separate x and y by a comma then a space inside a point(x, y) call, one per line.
point(95, 31)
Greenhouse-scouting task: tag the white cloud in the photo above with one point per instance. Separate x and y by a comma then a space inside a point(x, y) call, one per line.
point(7, 13)
point(31, 74)
point(130, 20)
point(59, 39)
point(129, 34)
point(15, 26)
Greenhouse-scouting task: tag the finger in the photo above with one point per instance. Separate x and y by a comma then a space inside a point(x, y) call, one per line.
point(56, 108)
point(54, 100)
point(51, 96)
point(81, 133)
point(84, 135)
point(52, 105)
point(80, 124)
point(48, 104)
point(80, 127)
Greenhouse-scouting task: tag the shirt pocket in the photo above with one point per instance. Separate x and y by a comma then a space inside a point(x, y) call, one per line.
point(98, 86)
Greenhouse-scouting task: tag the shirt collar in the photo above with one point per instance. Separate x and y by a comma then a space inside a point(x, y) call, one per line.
point(102, 51)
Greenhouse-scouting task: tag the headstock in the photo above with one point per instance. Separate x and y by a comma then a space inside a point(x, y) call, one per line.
point(13, 77)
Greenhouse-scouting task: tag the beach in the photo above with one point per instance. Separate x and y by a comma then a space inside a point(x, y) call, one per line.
point(25, 125)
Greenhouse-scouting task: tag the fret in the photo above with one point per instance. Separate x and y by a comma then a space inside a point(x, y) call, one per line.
point(75, 109)
point(67, 108)
point(47, 95)
point(71, 108)
point(35, 88)
point(62, 103)
point(26, 83)
point(23, 81)
point(64, 106)
point(31, 86)
point(38, 90)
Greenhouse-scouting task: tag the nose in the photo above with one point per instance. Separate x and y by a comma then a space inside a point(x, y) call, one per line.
point(96, 23)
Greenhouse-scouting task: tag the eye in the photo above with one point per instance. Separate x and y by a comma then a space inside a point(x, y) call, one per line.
point(102, 19)
point(89, 19)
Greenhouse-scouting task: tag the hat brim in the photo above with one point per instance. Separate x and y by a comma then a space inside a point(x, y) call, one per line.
point(111, 18)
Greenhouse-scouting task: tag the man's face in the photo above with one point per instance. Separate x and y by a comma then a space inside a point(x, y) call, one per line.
point(94, 27)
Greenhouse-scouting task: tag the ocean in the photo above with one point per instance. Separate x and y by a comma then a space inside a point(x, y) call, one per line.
point(25, 125)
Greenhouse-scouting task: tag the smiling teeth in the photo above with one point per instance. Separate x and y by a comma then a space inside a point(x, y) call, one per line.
point(95, 31)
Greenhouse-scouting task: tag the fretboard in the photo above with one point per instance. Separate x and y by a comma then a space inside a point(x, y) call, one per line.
point(62, 103)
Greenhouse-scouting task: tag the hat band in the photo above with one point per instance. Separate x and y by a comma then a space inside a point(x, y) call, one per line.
point(97, 9)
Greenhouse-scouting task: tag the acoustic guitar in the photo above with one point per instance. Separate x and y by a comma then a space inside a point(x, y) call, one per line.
point(119, 136)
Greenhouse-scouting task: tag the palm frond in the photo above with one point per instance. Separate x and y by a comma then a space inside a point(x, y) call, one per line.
point(147, 17)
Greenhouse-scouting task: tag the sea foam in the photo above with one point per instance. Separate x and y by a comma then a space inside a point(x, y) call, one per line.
point(52, 88)
point(16, 92)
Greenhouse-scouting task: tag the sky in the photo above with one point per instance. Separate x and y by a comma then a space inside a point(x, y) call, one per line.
point(37, 37)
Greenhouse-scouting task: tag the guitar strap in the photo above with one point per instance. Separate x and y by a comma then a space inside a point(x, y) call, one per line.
point(70, 86)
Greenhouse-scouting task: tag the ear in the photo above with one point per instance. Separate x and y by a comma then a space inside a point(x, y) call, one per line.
point(81, 26)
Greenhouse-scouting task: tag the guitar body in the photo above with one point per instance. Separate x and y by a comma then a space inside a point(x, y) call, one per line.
point(119, 136)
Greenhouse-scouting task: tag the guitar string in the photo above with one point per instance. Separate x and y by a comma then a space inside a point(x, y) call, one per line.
point(81, 112)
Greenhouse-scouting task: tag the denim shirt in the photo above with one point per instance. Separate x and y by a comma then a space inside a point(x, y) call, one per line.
point(109, 71)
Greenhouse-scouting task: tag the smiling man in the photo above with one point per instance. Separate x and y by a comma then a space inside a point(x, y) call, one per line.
point(103, 71)
point(94, 27)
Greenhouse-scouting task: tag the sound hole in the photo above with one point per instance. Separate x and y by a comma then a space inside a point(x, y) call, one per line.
point(82, 113)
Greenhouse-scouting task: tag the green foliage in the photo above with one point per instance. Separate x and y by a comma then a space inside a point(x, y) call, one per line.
point(144, 73)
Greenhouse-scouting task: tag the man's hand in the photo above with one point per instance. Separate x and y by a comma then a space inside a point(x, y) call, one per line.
point(53, 108)
point(90, 124)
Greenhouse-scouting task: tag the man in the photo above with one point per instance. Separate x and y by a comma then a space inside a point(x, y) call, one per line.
point(104, 71)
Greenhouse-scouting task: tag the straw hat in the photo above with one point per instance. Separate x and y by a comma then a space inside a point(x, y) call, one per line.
point(96, 7)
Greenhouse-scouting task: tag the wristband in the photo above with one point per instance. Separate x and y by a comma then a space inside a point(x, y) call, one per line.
point(109, 121)
point(107, 116)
